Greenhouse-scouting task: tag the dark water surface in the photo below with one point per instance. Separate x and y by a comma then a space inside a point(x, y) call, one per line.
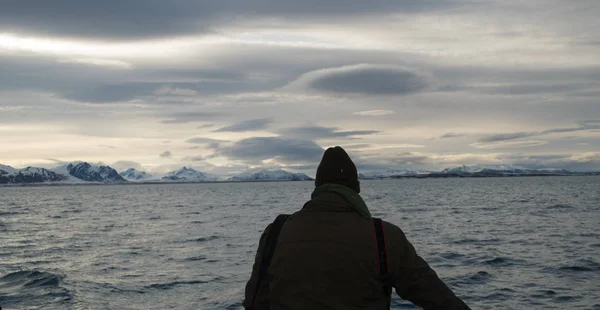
point(500, 243)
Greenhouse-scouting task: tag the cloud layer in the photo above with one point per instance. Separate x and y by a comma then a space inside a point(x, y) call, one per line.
point(237, 84)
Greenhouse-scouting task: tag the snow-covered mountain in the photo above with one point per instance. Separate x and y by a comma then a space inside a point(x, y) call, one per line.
point(470, 171)
point(6, 169)
point(480, 170)
point(270, 175)
point(188, 175)
point(29, 175)
point(132, 174)
point(392, 174)
point(83, 171)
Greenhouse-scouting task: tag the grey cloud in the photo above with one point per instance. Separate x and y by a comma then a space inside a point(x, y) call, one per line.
point(126, 164)
point(210, 143)
point(532, 89)
point(366, 163)
point(506, 136)
point(452, 135)
point(583, 126)
point(318, 132)
point(201, 140)
point(364, 79)
point(193, 158)
point(206, 126)
point(100, 84)
point(192, 117)
point(249, 125)
point(283, 150)
point(110, 93)
point(570, 81)
point(540, 75)
point(166, 154)
point(115, 19)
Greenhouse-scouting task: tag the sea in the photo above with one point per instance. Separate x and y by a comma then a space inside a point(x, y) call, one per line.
point(498, 243)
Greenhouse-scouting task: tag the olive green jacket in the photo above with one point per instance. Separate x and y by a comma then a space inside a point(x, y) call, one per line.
point(326, 258)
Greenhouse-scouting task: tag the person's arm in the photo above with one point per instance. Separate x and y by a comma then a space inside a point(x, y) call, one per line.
point(415, 281)
point(262, 297)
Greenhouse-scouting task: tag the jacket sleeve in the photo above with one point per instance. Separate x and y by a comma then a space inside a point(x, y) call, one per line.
point(262, 296)
point(415, 281)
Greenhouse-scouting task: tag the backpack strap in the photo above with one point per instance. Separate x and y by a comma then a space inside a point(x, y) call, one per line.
point(268, 250)
point(384, 275)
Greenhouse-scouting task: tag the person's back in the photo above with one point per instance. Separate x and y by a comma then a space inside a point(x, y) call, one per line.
point(326, 257)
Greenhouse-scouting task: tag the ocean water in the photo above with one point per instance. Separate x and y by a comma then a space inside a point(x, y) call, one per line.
point(499, 243)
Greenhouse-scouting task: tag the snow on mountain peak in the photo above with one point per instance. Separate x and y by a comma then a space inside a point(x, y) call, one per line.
point(83, 171)
point(135, 175)
point(30, 175)
point(186, 174)
point(7, 169)
point(270, 175)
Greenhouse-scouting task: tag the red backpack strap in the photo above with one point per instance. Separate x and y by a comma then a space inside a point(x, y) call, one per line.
point(384, 276)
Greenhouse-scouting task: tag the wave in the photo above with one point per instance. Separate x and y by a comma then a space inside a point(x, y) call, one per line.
point(33, 288)
point(30, 278)
point(9, 213)
point(501, 262)
point(481, 277)
point(582, 265)
point(560, 206)
point(478, 241)
point(203, 239)
point(170, 285)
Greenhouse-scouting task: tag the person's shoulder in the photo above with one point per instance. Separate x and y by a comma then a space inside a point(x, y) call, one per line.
point(390, 227)
point(393, 232)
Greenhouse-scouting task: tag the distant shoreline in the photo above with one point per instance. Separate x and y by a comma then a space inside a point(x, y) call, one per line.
point(280, 181)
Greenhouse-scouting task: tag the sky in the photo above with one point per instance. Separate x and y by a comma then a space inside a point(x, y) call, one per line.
point(226, 86)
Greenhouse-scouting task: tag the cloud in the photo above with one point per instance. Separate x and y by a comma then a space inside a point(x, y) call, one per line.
point(205, 126)
point(583, 126)
point(166, 154)
point(175, 91)
point(506, 136)
point(367, 79)
point(123, 165)
point(249, 125)
point(110, 92)
point(533, 88)
point(192, 117)
point(210, 143)
point(282, 150)
point(99, 62)
point(171, 90)
point(156, 18)
point(319, 132)
point(202, 140)
point(193, 158)
point(374, 113)
point(507, 144)
point(452, 135)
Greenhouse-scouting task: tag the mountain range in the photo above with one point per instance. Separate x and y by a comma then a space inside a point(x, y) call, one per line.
point(473, 171)
point(83, 172)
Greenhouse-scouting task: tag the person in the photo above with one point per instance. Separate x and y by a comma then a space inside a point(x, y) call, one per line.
point(326, 255)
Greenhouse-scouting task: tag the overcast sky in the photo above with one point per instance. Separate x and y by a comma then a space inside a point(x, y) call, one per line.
point(228, 85)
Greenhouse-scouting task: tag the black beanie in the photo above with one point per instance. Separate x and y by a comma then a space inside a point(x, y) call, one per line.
point(337, 167)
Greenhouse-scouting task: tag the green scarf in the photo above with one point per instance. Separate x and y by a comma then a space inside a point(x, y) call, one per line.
point(349, 195)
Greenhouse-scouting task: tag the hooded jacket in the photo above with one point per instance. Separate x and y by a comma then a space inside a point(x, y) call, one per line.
point(326, 258)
